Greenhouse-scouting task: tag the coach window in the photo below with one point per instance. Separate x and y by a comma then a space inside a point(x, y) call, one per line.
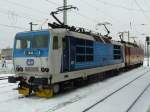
point(55, 42)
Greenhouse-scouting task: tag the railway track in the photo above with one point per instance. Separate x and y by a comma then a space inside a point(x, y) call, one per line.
point(58, 103)
point(89, 107)
point(130, 107)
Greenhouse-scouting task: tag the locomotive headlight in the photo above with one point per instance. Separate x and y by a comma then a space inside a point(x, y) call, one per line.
point(30, 52)
point(47, 69)
point(19, 69)
point(43, 69)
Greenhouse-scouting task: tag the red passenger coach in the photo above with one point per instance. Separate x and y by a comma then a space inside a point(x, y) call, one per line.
point(134, 55)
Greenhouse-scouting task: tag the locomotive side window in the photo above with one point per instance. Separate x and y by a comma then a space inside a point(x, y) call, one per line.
point(63, 43)
point(40, 42)
point(55, 42)
point(80, 58)
point(84, 51)
point(22, 44)
point(80, 50)
point(89, 57)
point(117, 52)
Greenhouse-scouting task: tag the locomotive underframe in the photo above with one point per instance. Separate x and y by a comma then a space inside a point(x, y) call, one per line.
point(43, 87)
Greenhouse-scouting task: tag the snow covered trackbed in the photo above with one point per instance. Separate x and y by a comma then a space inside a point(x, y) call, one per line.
point(119, 97)
point(115, 94)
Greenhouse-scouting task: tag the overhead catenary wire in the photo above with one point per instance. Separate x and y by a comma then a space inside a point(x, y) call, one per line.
point(11, 26)
point(97, 9)
point(146, 3)
point(80, 14)
point(52, 2)
point(6, 12)
point(141, 9)
point(120, 6)
point(127, 8)
point(22, 15)
point(26, 7)
point(87, 17)
point(25, 15)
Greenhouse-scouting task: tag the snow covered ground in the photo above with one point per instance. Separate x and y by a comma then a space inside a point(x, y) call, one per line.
point(118, 103)
point(8, 69)
point(78, 99)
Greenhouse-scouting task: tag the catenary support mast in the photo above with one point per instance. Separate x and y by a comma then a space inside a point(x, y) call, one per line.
point(65, 13)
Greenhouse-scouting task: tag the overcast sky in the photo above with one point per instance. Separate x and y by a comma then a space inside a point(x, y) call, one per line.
point(122, 14)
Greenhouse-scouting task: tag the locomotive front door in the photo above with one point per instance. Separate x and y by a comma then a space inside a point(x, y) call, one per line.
point(56, 53)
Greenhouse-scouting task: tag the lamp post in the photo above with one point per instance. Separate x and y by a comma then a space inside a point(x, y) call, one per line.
point(65, 12)
point(148, 42)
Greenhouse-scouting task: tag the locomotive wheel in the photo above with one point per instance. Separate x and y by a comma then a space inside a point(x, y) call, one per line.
point(56, 88)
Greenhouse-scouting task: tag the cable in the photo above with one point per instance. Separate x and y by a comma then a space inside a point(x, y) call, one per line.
point(52, 2)
point(86, 17)
point(142, 11)
point(10, 26)
point(120, 6)
point(24, 6)
point(18, 15)
point(99, 11)
point(146, 3)
point(81, 15)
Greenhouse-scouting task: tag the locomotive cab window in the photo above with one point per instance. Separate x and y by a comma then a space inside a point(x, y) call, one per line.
point(22, 44)
point(55, 42)
point(40, 42)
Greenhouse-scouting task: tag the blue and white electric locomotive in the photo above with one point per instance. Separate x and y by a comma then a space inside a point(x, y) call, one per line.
point(47, 61)
point(44, 60)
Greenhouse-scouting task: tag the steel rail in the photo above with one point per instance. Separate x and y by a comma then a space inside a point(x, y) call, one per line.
point(93, 105)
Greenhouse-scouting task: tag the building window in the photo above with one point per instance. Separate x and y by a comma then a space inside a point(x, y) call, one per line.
point(84, 51)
